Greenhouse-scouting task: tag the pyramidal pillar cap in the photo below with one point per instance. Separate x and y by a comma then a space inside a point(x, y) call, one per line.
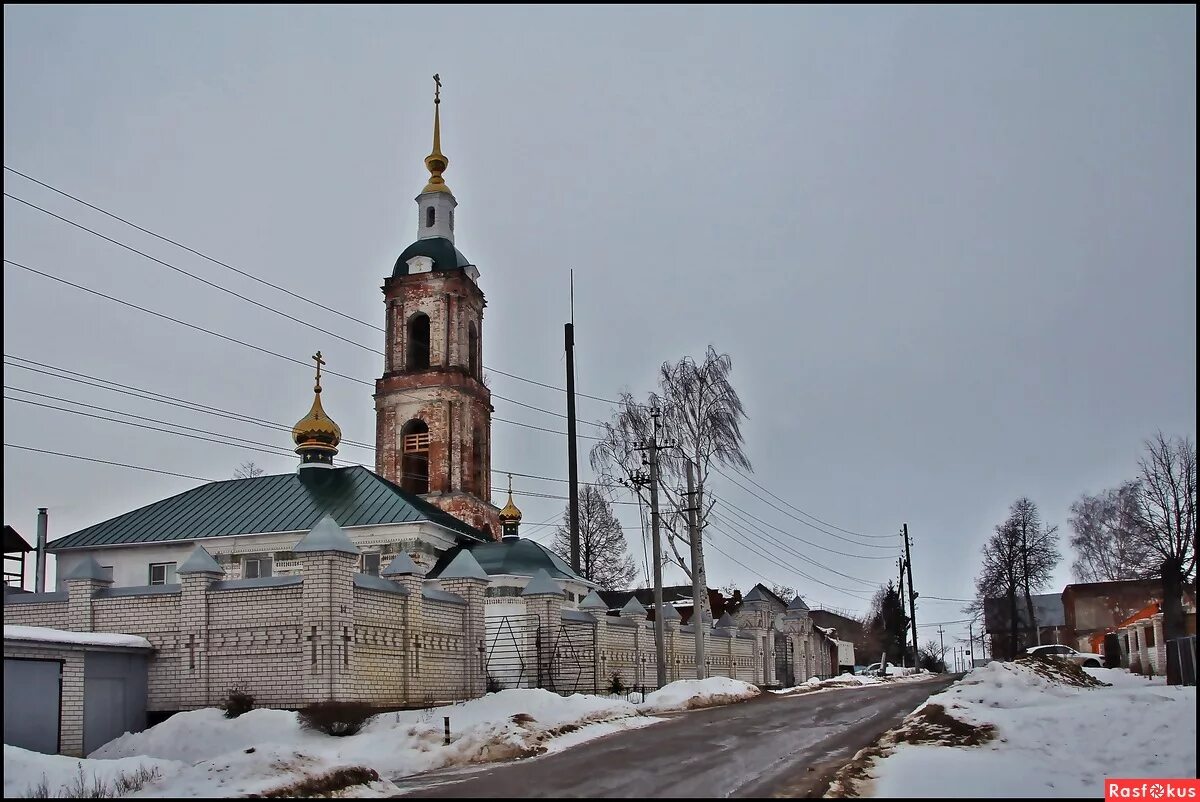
point(88, 569)
point(326, 536)
point(542, 584)
point(464, 566)
point(200, 562)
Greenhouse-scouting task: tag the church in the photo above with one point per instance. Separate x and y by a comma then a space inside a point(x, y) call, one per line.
point(429, 495)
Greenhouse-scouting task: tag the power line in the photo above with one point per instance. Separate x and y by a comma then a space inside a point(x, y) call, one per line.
point(797, 509)
point(106, 462)
point(240, 272)
point(245, 344)
point(733, 507)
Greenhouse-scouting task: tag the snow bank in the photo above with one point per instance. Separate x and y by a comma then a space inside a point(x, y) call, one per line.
point(1052, 739)
point(25, 770)
point(12, 632)
point(686, 694)
point(201, 753)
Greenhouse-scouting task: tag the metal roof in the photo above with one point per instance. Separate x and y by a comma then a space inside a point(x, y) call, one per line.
point(290, 502)
point(13, 542)
point(521, 557)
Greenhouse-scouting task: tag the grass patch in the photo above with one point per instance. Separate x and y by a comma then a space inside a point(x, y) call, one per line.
point(94, 787)
point(323, 784)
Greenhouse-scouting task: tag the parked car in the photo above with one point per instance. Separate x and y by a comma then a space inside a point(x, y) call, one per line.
point(873, 670)
point(1067, 653)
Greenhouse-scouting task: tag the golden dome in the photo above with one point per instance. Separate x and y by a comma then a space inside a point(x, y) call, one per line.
point(316, 431)
point(436, 162)
point(510, 513)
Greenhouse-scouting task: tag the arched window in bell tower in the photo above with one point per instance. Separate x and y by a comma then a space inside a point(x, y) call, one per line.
point(472, 349)
point(478, 472)
point(429, 216)
point(414, 462)
point(418, 342)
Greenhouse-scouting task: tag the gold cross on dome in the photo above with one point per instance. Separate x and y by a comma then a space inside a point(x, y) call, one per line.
point(320, 362)
point(437, 92)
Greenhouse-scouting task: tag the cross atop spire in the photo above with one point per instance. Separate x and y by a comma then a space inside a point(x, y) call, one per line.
point(436, 162)
point(317, 358)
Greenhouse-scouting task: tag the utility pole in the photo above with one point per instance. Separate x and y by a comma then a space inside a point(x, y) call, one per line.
point(971, 643)
point(698, 624)
point(656, 538)
point(572, 448)
point(912, 593)
point(903, 646)
point(942, 646)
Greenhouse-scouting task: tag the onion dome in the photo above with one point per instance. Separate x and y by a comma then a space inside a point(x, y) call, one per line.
point(436, 162)
point(316, 435)
point(510, 516)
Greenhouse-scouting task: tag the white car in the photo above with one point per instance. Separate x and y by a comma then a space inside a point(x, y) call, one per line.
point(1067, 653)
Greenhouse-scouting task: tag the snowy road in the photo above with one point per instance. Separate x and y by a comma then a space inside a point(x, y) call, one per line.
point(770, 745)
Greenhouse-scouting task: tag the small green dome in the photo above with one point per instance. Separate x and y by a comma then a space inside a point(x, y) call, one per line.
point(441, 250)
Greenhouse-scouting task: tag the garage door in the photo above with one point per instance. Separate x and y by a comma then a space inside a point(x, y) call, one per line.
point(31, 703)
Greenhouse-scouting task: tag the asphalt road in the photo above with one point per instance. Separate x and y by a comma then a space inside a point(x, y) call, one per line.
point(772, 745)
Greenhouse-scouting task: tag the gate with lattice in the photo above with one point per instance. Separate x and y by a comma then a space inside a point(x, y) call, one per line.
point(511, 651)
point(570, 661)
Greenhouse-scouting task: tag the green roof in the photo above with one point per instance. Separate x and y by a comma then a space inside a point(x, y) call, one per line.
point(441, 250)
point(290, 502)
point(521, 557)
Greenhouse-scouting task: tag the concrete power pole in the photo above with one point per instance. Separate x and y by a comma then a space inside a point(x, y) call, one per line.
point(903, 647)
point(942, 645)
point(572, 451)
point(912, 592)
point(698, 624)
point(659, 635)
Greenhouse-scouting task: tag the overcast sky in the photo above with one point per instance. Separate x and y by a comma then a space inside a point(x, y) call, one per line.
point(951, 251)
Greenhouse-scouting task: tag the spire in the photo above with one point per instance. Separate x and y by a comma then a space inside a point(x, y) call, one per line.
point(510, 516)
point(436, 163)
point(316, 435)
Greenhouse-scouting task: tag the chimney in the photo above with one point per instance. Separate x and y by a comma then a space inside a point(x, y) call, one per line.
point(40, 579)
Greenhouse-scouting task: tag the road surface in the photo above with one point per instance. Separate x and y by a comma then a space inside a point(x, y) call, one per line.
point(772, 745)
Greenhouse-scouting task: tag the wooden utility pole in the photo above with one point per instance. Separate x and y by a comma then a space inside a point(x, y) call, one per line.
point(903, 646)
point(698, 624)
point(912, 593)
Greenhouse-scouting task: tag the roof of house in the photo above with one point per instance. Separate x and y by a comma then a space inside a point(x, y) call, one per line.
point(13, 542)
point(514, 557)
point(292, 502)
point(616, 599)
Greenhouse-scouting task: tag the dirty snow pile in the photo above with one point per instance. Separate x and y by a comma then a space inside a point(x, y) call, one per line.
point(857, 680)
point(1037, 731)
point(688, 694)
point(202, 753)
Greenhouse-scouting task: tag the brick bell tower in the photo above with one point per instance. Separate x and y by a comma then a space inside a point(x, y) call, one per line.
point(433, 414)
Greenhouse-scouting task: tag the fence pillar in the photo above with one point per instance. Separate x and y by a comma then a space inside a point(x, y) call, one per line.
point(464, 577)
point(407, 574)
point(195, 574)
point(327, 560)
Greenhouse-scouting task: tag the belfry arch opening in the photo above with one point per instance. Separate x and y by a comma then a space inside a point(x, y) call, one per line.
point(472, 349)
point(414, 461)
point(418, 342)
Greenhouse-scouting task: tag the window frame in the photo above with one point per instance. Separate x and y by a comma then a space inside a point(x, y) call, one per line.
point(259, 560)
point(366, 569)
point(168, 573)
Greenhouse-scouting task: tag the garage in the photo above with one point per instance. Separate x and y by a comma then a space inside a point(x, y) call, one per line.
point(71, 692)
point(32, 698)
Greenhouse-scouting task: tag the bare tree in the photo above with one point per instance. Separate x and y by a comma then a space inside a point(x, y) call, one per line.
point(1108, 539)
point(785, 592)
point(1167, 518)
point(1039, 552)
point(1018, 559)
point(247, 470)
point(603, 554)
point(700, 412)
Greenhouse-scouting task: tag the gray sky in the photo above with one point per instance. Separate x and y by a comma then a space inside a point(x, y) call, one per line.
point(952, 251)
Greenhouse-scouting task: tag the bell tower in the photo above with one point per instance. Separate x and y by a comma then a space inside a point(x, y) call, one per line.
point(433, 413)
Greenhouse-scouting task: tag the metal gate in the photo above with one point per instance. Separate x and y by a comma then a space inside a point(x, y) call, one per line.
point(32, 704)
point(510, 659)
point(785, 663)
point(572, 655)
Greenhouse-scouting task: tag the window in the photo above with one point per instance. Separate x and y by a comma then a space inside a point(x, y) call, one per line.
point(429, 217)
point(477, 470)
point(418, 341)
point(472, 349)
point(451, 219)
point(370, 563)
point(256, 567)
point(162, 573)
point(414, 461)
point(1149, 636)
point(107, 571)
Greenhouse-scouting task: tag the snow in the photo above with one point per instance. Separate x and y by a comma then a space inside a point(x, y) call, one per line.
point(687, 694)
point(12, 632)
point(1052, 739)
point(24, 770)
point(857, 680)
point(200, 753)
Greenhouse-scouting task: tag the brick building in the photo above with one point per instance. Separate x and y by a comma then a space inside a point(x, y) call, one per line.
point(432, 409)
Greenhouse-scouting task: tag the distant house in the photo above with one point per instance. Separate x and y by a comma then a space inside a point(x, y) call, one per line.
point(15, 549)
point(848, 629)
point(1051, 622)
point(678, 596)
point(759, 592)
